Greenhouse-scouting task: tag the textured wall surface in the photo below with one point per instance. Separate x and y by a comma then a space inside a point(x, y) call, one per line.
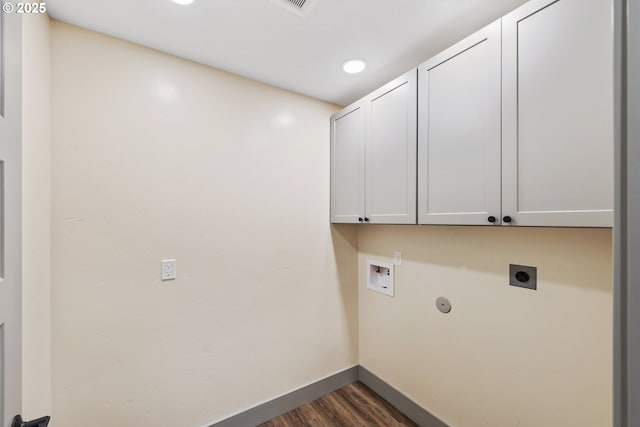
point(504, 356)
point(155, 158)
point(36, 216)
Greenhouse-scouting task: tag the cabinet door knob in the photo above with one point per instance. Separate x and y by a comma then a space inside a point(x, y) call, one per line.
point(360, 219)
point(507, 219)
point(366, 219)
point(491, 219)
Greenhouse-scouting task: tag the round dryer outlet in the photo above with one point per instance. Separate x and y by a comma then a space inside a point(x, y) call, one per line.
point(443, 305)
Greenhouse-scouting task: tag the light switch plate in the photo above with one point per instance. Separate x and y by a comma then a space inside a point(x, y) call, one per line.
point(168, 269)
point(397, 258)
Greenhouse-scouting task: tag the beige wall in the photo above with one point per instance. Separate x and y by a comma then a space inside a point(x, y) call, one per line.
point(36, 209)
point(155, 157)
point(504, 356)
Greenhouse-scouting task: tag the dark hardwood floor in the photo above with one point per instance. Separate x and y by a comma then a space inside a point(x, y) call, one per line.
point(355, 405)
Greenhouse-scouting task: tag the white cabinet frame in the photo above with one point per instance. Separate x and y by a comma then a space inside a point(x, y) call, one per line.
point(347, 163)
point(557, 135)
point(459, 152)
point(373, 156)
point(391, 151)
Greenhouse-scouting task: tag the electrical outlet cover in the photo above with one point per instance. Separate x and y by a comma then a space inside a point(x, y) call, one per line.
point(168, 269)
point(523, 276)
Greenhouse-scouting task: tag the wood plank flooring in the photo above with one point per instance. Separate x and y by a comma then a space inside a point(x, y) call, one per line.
point(355, 405)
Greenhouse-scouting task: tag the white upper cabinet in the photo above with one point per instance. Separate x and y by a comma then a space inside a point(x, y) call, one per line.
point(347, 163)
point(373, 157)
point(459, 132)
point(391, 152)
point(513, 126)
point(557, 108)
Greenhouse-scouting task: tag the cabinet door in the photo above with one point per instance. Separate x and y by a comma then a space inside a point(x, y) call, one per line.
point(347, 164)
point(391, 152)
point(459, 132)
point(558, 113)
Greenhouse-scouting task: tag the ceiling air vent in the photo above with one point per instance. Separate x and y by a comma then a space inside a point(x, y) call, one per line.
point(297, 3)
point(299, 7)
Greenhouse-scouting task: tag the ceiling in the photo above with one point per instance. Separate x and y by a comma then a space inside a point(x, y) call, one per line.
point(266, 41)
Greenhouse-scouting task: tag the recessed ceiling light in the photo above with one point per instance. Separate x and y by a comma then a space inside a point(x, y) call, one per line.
point(354, 66)
point(183, 2)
